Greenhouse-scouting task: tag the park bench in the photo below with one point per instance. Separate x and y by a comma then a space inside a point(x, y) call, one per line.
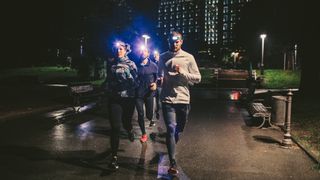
point(84, 95)
point(258, 110)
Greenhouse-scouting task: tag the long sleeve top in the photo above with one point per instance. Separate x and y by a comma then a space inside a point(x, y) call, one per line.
point(175, 87)
point(147, 74)
point(121, 78)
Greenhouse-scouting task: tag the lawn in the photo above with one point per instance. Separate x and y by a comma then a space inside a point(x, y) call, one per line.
point(42, 72)
point(277, 79)
point(306, 124)
point(305, 113)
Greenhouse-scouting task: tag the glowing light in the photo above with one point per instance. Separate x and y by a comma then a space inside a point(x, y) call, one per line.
point(146, 37)
point(235, 95)
point(262, 36)
point(155, 52)
point(175, 38)
point(143, 47)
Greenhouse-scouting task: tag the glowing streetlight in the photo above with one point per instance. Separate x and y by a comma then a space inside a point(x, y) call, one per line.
point(235, 55)
point(146, 37)
point(262, 36)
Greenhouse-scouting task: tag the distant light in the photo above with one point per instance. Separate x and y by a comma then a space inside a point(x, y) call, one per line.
point(262, 36)
point(235, 95)
point(145, 36)
point(155, 52)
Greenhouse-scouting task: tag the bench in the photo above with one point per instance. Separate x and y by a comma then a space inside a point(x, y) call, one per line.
point(258, 110)
point(84, 96)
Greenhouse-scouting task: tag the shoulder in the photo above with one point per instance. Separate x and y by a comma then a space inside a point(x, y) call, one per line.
point(184, 53)
point(131, 64)
point(165, 54)
point(153, 63)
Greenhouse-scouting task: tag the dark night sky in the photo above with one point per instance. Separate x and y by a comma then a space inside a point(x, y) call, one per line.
point(32, 26)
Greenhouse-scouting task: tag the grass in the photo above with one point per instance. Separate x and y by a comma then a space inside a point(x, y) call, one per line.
point(206, 75)
point(275, 79)
point(306, 125)
point(40, 72)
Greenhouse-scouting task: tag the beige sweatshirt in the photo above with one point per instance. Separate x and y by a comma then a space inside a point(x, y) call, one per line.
point(175, 87)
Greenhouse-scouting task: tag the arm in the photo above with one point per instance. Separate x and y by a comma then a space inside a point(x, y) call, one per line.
point(160, 70)
point(153, 85)
point(155, 74)
point(193, 74)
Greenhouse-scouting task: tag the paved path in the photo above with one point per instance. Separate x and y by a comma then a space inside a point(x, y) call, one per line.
point(219, 142)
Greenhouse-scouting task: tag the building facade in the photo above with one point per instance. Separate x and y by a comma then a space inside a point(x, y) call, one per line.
point(209, 24)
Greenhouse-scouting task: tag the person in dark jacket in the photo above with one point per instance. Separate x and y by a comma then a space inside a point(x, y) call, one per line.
point(121, 84)
point(147, 77)
point(156, 58)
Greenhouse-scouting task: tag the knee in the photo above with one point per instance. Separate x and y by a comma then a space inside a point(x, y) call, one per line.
point(171, 129)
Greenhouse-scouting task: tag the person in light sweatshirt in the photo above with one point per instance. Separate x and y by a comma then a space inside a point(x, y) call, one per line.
point(178, 70)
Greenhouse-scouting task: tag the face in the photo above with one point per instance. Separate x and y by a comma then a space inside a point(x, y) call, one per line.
point(156, 56)
point(175, 43)
point(121, 51)
point(144, 54)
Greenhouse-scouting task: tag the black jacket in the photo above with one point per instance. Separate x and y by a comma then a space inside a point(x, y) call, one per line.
point(147, 74)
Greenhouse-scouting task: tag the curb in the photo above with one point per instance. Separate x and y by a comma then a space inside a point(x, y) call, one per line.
point(310, 154)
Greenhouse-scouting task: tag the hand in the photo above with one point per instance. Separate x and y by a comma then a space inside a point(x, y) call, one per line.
point(177, 68)
point(153, 86)
point(160, 81)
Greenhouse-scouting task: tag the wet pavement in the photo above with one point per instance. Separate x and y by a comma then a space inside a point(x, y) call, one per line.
point(219, 142)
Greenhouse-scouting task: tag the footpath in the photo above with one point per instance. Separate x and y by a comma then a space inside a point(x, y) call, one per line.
point(29, 99)
point(220, 141)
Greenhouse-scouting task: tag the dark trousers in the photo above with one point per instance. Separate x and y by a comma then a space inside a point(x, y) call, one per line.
point(175, 117)
point(158, 102)
point(120, 111)
point(148, 102)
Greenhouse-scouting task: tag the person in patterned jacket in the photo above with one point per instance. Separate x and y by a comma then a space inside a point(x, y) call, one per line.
point(120, 86)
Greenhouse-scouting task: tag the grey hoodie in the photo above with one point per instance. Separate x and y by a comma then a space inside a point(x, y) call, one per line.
point(175, 87)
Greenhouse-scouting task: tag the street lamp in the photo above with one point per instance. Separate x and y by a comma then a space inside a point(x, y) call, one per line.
point(262, 36)
point(146, 37)
point(295, 56)
point(235, 55)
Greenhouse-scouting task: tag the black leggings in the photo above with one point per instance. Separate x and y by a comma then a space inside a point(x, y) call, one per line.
point(120, 111)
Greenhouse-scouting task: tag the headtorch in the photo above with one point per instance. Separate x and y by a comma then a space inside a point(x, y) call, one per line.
point(173, 39)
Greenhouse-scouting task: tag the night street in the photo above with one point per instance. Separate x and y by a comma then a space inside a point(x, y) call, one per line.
point(219, 142)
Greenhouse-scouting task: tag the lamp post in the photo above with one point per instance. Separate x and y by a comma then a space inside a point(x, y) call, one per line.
point(262, 36)
point(295, 56)
point(287, 142)
point(146, 37)
point(235, 55)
